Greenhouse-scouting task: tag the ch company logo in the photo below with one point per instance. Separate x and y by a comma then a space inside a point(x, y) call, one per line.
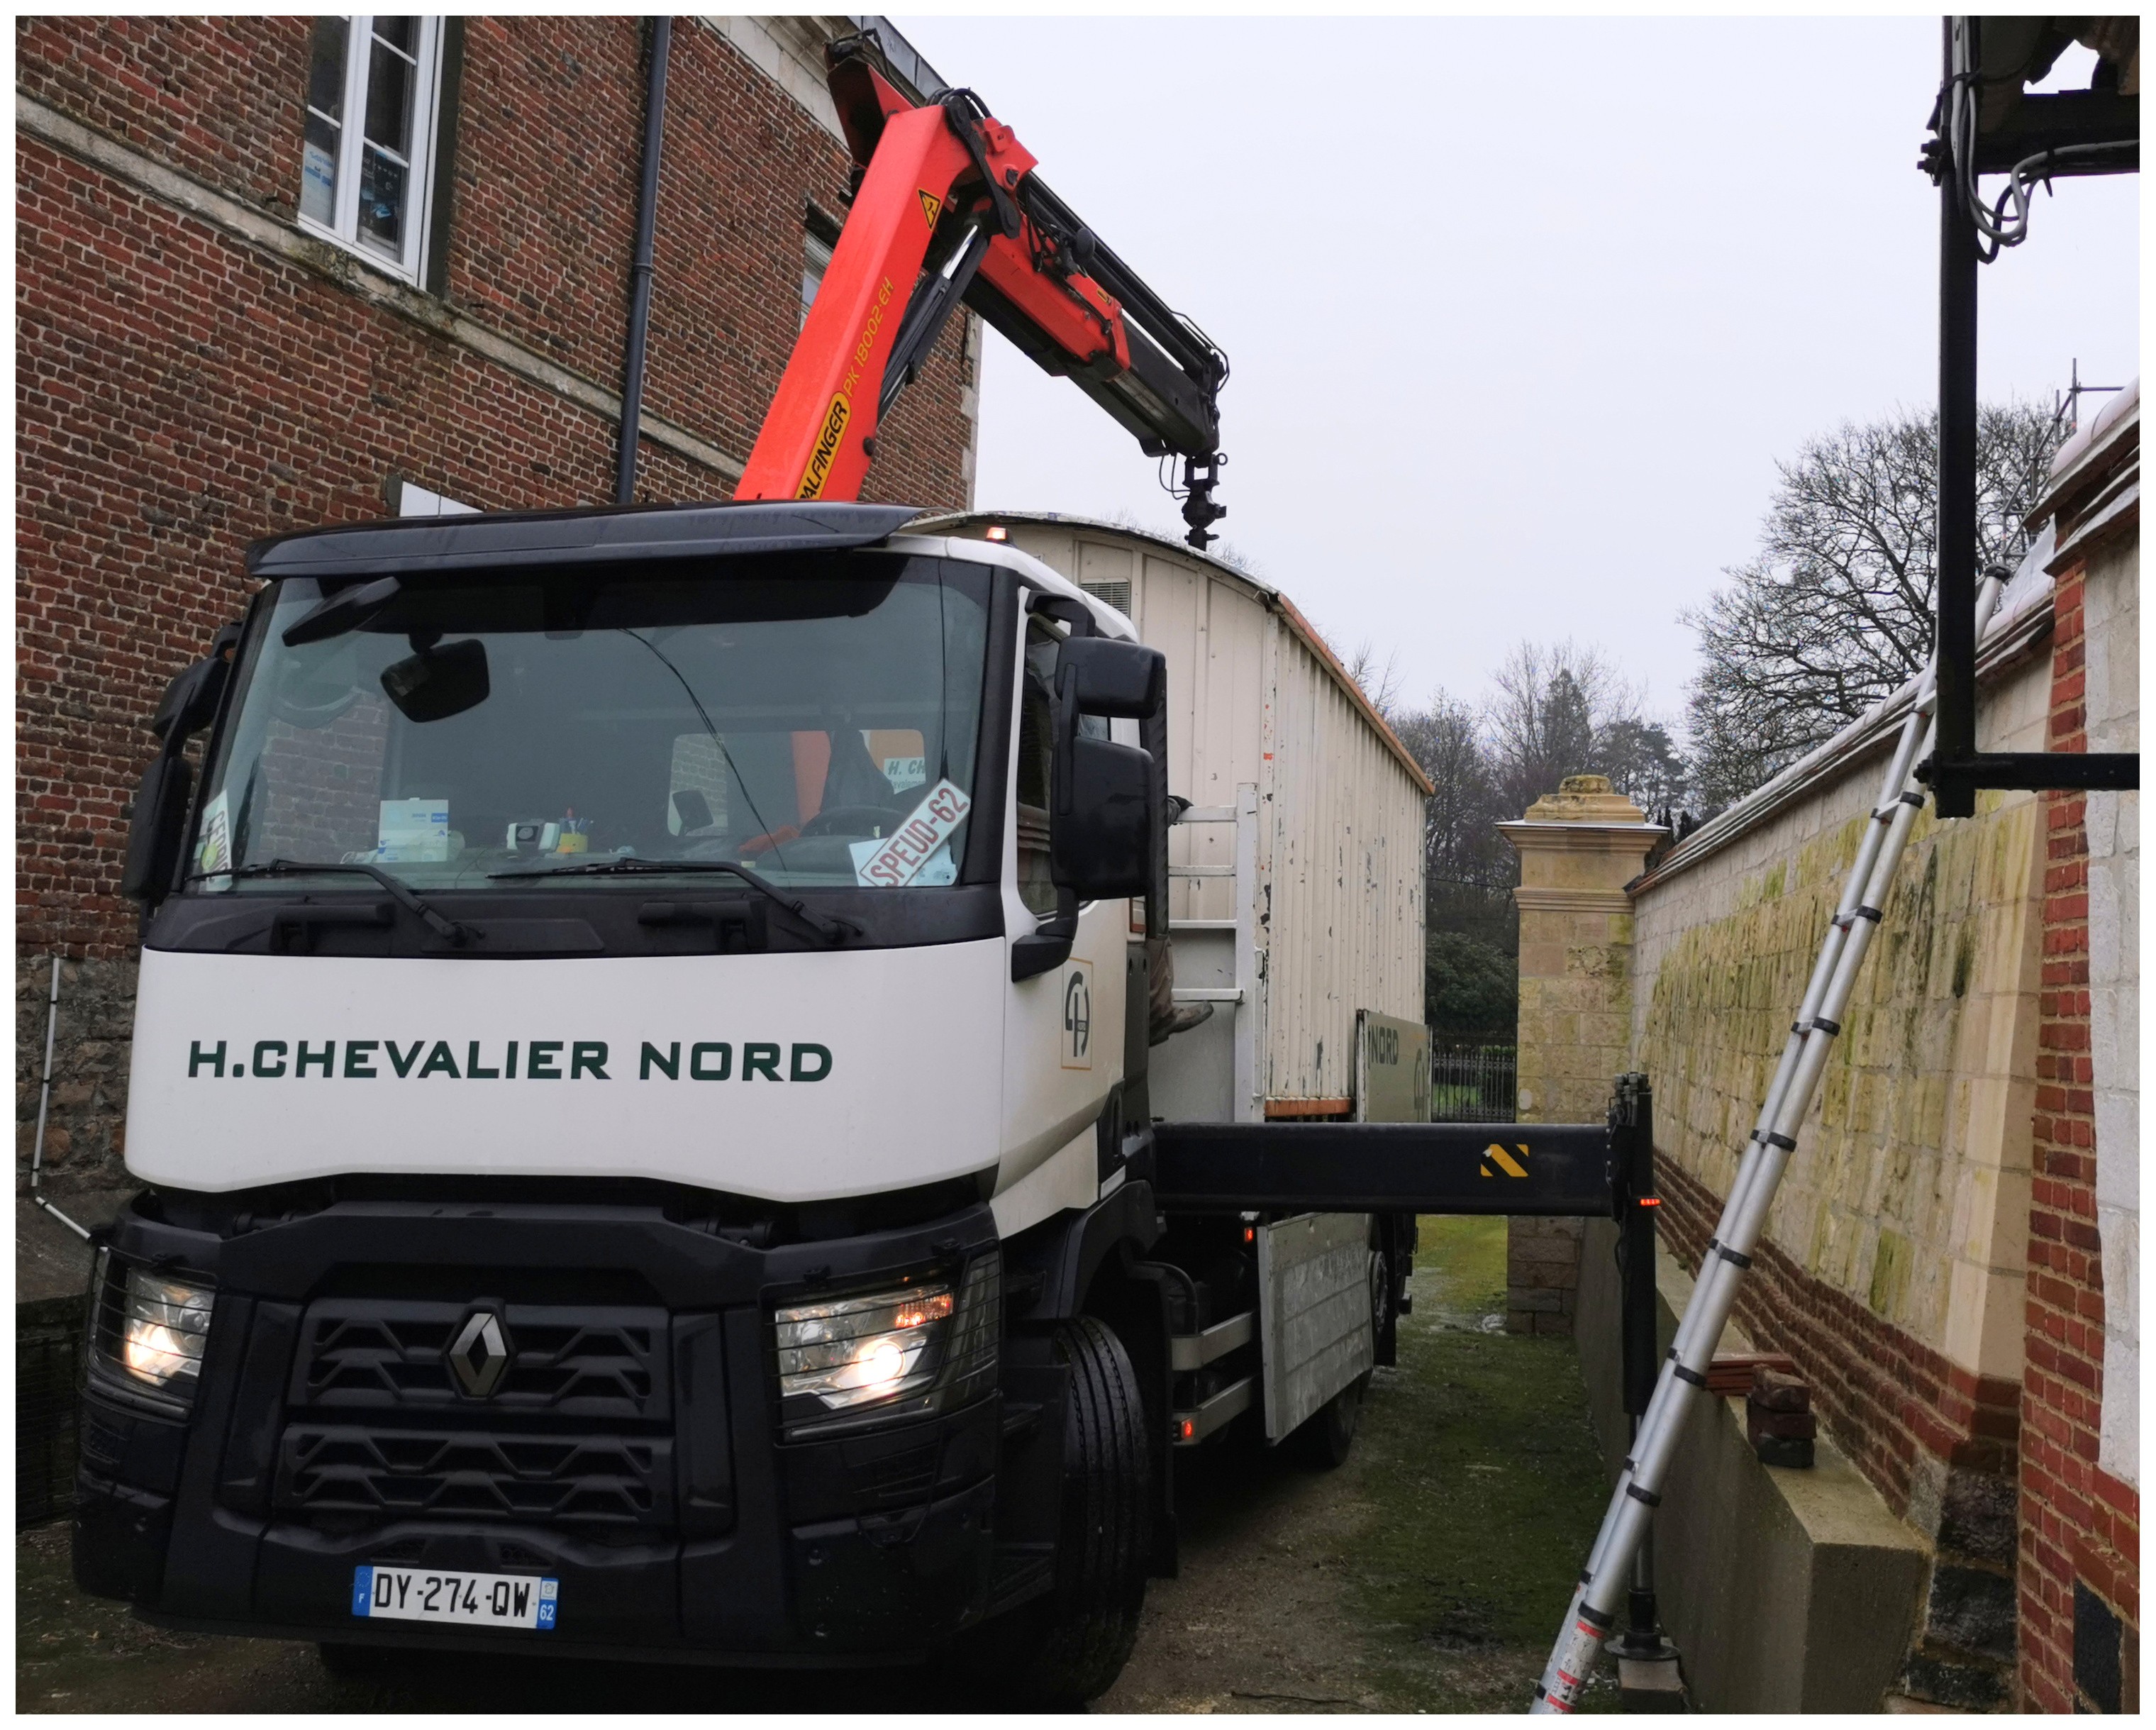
point(1078, 1017)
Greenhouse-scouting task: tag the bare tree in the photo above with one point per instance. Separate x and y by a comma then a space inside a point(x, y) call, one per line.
point(1555, 709)
point(1834, 610)
point(1472, 927)
point(1380, 683)
point(1643, 763)
point(1461, 843)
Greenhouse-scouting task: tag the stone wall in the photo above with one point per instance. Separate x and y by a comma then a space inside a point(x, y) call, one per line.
point(85, 1140)
point(1892, 1268)
point(1952, 1259)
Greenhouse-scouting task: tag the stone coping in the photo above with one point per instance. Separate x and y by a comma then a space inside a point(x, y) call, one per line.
point(1582, 837)
point(1556, 898)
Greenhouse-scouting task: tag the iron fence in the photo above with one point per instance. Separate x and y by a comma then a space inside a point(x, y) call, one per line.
point(1474, 1084)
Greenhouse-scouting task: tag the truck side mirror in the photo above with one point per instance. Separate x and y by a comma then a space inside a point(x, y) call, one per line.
point(1126, 681)
point(1102, 845)
point(159, 821)
point(189, 703)
point(155, 828)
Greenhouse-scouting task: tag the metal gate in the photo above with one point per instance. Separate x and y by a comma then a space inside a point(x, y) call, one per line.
point(1473, 1083)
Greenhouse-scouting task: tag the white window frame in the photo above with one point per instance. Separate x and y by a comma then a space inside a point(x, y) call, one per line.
point(419, 170)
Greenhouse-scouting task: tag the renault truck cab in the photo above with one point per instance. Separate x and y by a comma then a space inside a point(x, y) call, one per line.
point(646, 1150)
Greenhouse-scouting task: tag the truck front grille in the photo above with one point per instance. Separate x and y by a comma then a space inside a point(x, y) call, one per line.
point(577, 1431)
point(346, 1469)
point(375, 1355)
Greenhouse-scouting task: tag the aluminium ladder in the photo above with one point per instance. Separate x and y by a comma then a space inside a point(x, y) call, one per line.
point(1241, 998)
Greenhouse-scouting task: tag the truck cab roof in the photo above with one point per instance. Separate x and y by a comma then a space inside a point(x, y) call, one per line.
point(601, 535)
point(635, 534)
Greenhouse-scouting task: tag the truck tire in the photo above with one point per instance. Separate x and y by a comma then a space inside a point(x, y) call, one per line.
point(1328, 1434)
point(1069, 1647)
point(1384, 1312)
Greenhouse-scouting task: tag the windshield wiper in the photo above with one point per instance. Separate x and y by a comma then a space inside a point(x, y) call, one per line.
point(629, 865)
point(452, 930)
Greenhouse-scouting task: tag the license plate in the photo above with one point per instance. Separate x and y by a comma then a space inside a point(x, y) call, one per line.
point(477, 1600)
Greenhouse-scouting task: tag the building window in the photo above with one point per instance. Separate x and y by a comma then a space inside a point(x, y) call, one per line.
point(369, 133)
point(415, 501)
point(815, 260)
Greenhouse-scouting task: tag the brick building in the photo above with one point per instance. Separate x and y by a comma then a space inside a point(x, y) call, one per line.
point(266, 281)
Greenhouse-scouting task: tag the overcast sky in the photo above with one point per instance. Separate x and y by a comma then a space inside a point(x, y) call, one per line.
point(1521, 313)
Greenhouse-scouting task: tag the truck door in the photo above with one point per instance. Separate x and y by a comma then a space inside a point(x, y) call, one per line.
point(1063, 1031)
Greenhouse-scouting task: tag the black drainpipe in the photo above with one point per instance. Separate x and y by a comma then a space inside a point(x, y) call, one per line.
point(640, 274)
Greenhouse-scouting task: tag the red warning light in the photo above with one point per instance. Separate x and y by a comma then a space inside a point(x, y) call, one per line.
point(996, 531)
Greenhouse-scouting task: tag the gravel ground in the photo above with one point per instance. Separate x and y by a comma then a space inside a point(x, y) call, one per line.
point(1426, 1574)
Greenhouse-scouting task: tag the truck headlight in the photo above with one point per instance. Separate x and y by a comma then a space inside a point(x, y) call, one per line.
point(151, 1329)
point(905, 1351)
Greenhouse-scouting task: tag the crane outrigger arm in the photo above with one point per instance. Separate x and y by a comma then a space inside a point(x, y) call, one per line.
point(949, 210)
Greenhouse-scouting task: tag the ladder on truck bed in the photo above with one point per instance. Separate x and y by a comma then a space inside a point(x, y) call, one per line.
point(1217, 960)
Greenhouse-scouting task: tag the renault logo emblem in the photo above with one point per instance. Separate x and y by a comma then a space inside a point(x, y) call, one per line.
point(479, 1356)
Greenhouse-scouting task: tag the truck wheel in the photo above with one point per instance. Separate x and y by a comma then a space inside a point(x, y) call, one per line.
point(1328, 1434)
point(1070, 1646)
point(1384, 1318)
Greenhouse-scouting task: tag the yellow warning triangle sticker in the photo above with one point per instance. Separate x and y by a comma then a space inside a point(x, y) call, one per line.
point(932, 207)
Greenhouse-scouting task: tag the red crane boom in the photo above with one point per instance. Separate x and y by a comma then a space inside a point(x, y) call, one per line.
point(949, 210)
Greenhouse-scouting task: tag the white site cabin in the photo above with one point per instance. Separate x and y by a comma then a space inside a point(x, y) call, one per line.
point(1295, 900)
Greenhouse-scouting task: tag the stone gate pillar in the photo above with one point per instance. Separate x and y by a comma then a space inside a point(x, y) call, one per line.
point(1578, 847)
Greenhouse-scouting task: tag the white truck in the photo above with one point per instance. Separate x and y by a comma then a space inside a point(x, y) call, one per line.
point(643, 1068)
point(639, 1149)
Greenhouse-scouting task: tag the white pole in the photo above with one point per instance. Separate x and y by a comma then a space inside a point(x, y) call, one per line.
point(44, 1103)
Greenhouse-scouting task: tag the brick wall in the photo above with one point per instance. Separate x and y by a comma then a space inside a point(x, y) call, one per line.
point(185, 385)
point(2080, 1527)
point(219, 98)
point(1891, 1401)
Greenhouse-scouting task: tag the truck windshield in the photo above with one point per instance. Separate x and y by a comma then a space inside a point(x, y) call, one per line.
point(817, 721)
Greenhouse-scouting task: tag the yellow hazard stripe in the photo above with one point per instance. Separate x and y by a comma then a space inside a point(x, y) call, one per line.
point(1510, 1166)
